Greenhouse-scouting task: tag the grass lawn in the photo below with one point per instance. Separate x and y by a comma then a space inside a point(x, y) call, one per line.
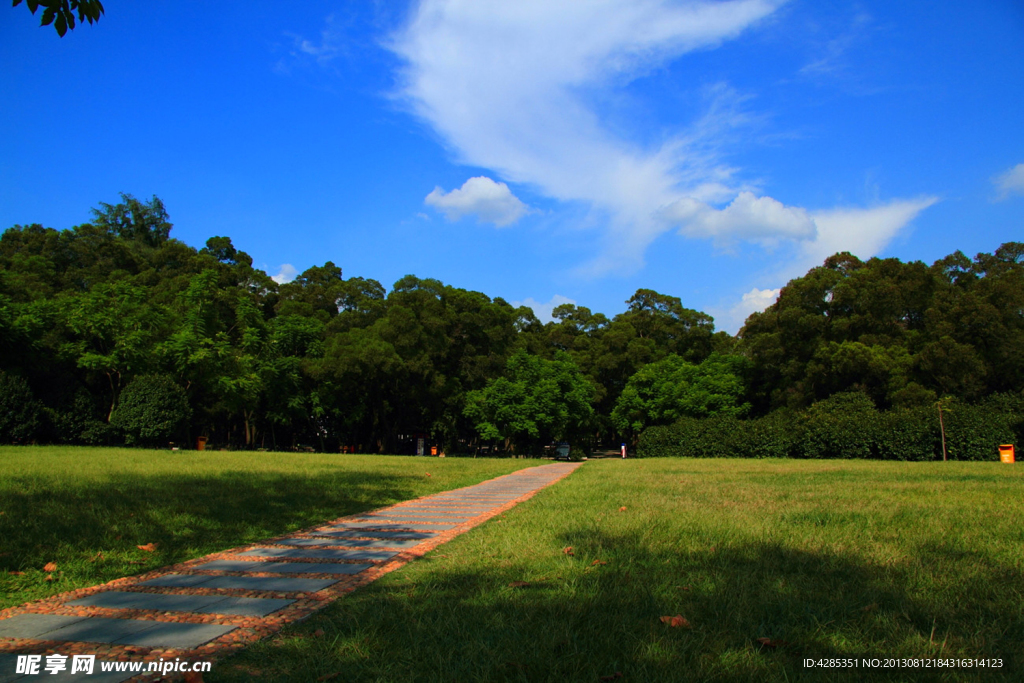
point(832, 557)
point(87, 509)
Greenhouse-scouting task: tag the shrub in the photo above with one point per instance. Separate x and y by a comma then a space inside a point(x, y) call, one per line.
point(841, 426)
point(974, 432)
point(846, 426)
point(151, 410)
point(772, 436)
point(20, 412)
point(908, 434)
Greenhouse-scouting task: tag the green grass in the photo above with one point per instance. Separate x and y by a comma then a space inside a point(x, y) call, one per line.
point(87, 509)
point(834, 558)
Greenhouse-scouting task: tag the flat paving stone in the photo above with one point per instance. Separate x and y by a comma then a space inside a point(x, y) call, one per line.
point(280, 584)
point(139, 632)
point(246, 607)
point(177, 635)
point(360, 543)
point(319, 553)
point(417, 518)
point(284, 567)
point(34, 625)
point(203, 604)
point(314, 568)
point(405, 535)
point(393, 526)
point(155, 601)
point(100, 630)
point(9, 664)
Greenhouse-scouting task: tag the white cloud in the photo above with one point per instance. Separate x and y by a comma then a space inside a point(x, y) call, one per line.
point(862, 232)
point(286, 273)
point(754, 301)
point(747, 217)
point(508, 86)
point(542, 310)
point(489, 201)
point(1010, 182)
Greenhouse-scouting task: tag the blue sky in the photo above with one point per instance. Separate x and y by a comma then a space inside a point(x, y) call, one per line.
point(540, 151)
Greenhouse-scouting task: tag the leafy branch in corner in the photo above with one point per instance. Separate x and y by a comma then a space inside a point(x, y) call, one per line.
point(61, 13)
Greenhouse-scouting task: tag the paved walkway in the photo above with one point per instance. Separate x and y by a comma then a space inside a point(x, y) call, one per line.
point(207, 608)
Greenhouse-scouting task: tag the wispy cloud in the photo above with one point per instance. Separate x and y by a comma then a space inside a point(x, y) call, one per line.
point(1010, 182)
point(863, 231)
point(489, 201)
point(832, 56)
point(286, 273)
point(543, 310)
point(506, 85)
point(321, 50)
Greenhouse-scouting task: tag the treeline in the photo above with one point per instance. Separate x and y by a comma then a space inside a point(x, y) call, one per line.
point(115, 332)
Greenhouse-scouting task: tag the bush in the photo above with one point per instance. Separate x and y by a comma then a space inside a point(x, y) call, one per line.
point(974, 432)
point(841, 426)
point(20, 412)
point(772, 436)
point(908, 434)
point(847, 426)
point(151, 410)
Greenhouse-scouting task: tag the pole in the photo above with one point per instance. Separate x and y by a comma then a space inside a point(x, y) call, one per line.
point(942, 428)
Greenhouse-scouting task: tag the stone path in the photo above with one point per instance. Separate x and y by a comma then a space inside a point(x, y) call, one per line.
point(207, 608)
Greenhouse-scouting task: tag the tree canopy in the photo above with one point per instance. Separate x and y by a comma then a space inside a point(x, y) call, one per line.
point(326, 361)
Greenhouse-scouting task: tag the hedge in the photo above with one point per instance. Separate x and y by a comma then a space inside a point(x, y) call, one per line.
point(846, 426)
point(151, 410)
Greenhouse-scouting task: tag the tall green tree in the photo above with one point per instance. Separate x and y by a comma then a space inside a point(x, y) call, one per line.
point(663, 391)
point(536, 402)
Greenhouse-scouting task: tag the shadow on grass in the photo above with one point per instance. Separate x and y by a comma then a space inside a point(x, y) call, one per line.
point(439, 620)
point(186, 516)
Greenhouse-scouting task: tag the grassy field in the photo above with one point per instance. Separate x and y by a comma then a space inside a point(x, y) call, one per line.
point(87, 509)
point(822, 557)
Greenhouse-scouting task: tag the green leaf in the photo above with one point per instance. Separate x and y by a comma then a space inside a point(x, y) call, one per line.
point(47, 18)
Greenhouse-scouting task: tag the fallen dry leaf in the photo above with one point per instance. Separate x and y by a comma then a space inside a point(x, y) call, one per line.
point(149, 547)
point(194, 677)
point(770, 644)
point(99, 556)
point(519, 584)
point(605, 679)
point(597, 562)
point(712, 548)
point(16, 573)
point(678, 621)
point(50, 567)
point(428, 474)
point(318, 633)
point(622, 509)
point(327, 677)
point(568, 551)
point(49, 577)
point(683, 588)
point(870, 608)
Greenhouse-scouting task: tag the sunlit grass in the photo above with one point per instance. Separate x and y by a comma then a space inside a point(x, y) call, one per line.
point(832, 558)
point(87, 509)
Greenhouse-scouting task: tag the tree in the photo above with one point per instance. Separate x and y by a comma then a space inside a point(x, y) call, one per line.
point(662, 392)
point(536, 402)
point(134, 220)
point(61, 13)
point(151, 410)
point(19, 410)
